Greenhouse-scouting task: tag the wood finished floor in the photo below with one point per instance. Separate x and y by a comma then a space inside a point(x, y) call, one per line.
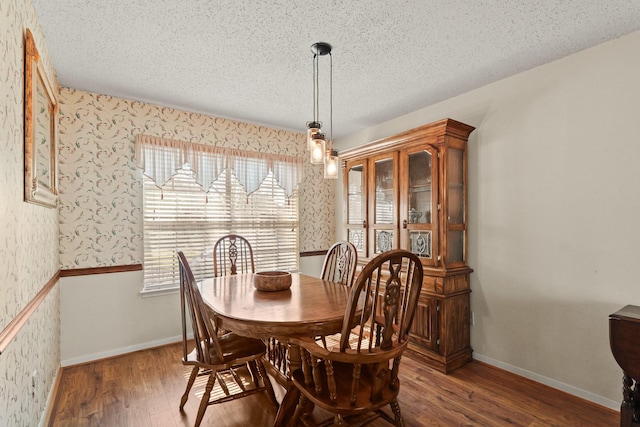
point(144, 389)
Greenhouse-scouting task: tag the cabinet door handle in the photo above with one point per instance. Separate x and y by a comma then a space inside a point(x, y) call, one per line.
point(404, 224)
point(364, 224)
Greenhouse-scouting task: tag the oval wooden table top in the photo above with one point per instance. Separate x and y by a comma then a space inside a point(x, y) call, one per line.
point(311, 307)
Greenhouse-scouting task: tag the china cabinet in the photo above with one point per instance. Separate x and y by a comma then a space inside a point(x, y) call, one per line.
point(409, 191)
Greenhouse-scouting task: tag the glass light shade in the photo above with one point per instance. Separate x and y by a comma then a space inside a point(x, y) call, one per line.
point(331, 165)
point(317, 149)
point(312, 129)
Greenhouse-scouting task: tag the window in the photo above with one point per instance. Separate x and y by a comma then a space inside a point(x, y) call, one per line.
point(193, 194)
point(182, 216)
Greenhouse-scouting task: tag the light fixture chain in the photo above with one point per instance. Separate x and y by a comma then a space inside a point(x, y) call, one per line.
point(315, 88)
point(330, 101)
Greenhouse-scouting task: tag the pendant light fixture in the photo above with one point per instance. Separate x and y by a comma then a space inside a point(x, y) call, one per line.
point(320, 148)
point(331, 164)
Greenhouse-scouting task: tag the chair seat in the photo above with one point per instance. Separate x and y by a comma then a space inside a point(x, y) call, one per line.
point(233, 347)
point(343, 374)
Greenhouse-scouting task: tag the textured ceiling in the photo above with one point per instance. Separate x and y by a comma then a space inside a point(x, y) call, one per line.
point(251, 61)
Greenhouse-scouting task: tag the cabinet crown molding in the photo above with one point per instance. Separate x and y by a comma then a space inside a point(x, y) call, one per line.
point(432, 131)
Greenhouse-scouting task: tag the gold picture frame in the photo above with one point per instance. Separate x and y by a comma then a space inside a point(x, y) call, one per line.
point(40, 132)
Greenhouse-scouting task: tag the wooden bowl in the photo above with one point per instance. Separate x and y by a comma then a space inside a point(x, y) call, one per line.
point(272, 280)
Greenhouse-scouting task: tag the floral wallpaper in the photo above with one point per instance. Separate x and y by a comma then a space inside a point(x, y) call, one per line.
point(101, 188)
point(28, 238)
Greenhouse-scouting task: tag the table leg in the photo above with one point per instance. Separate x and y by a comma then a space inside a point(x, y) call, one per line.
point(292, 396)
point(294, 359)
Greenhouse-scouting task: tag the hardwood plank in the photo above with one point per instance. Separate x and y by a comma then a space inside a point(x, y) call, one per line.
point(475, 402)
point(144, 389)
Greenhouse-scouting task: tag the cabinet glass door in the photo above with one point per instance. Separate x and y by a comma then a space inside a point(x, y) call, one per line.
point(356, 206)
point(419, 206)
point(384, 186)
point(456, 210)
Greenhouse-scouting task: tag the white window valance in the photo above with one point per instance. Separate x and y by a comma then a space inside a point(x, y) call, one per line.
point(160, 159)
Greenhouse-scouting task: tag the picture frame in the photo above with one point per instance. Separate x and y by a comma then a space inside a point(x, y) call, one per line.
point(40, 131)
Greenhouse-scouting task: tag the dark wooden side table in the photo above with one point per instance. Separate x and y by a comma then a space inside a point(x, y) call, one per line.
point(624, 338)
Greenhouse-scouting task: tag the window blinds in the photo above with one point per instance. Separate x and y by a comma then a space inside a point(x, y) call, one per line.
point(182, 216)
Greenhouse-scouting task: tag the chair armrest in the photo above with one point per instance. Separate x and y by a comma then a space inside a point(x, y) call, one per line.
point(348, 356)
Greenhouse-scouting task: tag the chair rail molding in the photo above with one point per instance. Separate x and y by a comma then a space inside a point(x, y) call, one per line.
point(12, 329)
point(99, 270)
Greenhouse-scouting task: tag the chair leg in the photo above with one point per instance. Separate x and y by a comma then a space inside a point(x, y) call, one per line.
point(192, 378)
point(395, 407)
point(204, 403)
point(262, 372)
point(254, 372)
point(302, 402)
point(287, 408)
point(339, 422)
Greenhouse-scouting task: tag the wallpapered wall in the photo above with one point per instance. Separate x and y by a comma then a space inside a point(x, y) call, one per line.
point(101, 188)
point(28, 238)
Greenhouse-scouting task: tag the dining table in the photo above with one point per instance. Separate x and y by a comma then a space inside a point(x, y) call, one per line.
point(310, 307)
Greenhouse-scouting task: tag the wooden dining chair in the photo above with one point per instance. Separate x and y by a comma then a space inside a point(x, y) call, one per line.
point(339, 266)
point(359, 378)
point(232, 254)
point(340, 263)
point(235, 362)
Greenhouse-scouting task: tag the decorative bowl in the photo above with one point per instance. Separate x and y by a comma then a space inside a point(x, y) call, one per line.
point(272, 280)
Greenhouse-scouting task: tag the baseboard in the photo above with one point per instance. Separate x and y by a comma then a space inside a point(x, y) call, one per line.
point(53, 392)
point(586, 395)
point(122, 350)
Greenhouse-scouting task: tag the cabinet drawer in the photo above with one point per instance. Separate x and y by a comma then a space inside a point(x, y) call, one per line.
point(445, 285)
point(432, 284)
point(453, 284)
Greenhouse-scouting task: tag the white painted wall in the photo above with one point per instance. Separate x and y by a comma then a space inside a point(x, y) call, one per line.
point(311, 265)
point(554, 202)
point(104, 315)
